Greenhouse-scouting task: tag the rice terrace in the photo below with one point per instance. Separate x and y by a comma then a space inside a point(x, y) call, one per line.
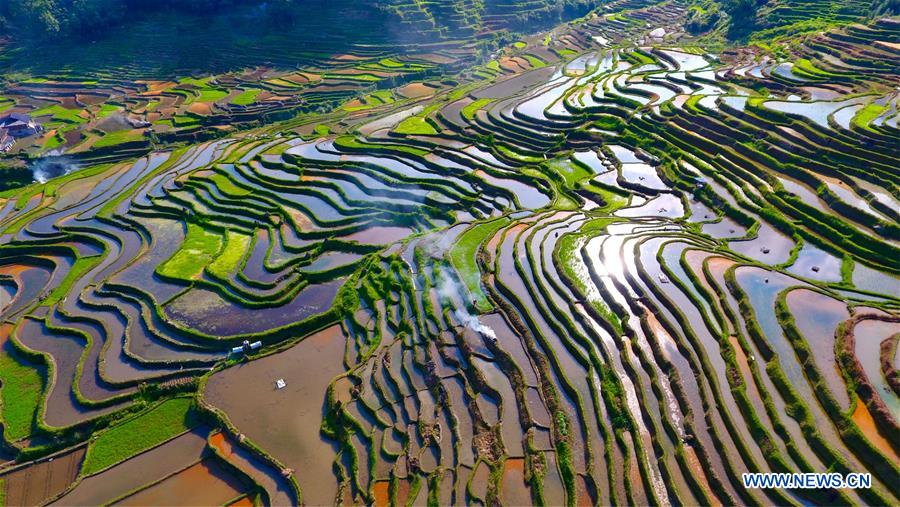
point(493, 252)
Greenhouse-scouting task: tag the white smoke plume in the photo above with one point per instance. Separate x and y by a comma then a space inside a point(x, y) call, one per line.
point(451, 290)
point(473, 323)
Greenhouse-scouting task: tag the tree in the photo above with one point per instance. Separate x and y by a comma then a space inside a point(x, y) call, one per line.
point(85, 16)
point(38, 15)
point(885, 7)
point(742, 14)
point(14, 176)
point(700, 20)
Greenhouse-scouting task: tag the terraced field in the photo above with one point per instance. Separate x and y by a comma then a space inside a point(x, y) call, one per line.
point(608, 266)
point(164, 79)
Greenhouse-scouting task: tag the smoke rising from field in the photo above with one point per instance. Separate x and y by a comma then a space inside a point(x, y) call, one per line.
point(473, 323)
point(52, 166)
point(450, 289)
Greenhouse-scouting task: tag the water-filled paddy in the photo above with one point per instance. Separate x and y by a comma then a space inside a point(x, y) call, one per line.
point(207, 482)
point(286, 421)
point(176, 454)
point(868, 336)
point(819, 317)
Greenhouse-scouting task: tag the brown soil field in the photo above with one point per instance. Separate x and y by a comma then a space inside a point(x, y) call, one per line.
point(38, 483)
point(416, 90)
point(201, 108)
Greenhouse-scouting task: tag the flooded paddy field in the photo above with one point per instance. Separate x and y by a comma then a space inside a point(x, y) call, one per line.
point(286, 420)
point(207, 482)
point(596, 272)
point(131, 474)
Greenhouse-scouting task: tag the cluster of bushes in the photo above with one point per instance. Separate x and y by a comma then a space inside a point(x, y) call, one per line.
point(743, 17)
point(14, 176)
point(700, 20)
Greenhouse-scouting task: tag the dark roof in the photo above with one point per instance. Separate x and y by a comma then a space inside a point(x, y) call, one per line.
point(17, 121)
point(15, 117)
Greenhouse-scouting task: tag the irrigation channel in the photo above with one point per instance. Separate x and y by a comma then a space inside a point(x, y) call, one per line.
point(625, 277)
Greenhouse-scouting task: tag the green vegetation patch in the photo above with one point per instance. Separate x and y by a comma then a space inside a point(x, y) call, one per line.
point(136, 435)
point(227, 262)
point(211, 95)
point(200, 247)
point(224, 184)
point(392, 63)
point(469, 111)
point(866, 115)
point(527, 159)
point(120, 137)
point(534, 61)
point(463, 258)
point(199, 83)
point(571, 172)
point(371, 78)
point(205, 92)
point(612, 200)
point(246, 97)
point(107, 109)
point(21, 388)
point(59, 114)
point(54, 141)
point(185, 120)
point(415, 125)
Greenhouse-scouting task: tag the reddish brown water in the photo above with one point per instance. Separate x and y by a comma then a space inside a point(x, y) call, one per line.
point(242, 502)
point(205, 483)
point(863, 419)
point(278, 489)
point(382, 493)
point(513, 490)
point(869, 335)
